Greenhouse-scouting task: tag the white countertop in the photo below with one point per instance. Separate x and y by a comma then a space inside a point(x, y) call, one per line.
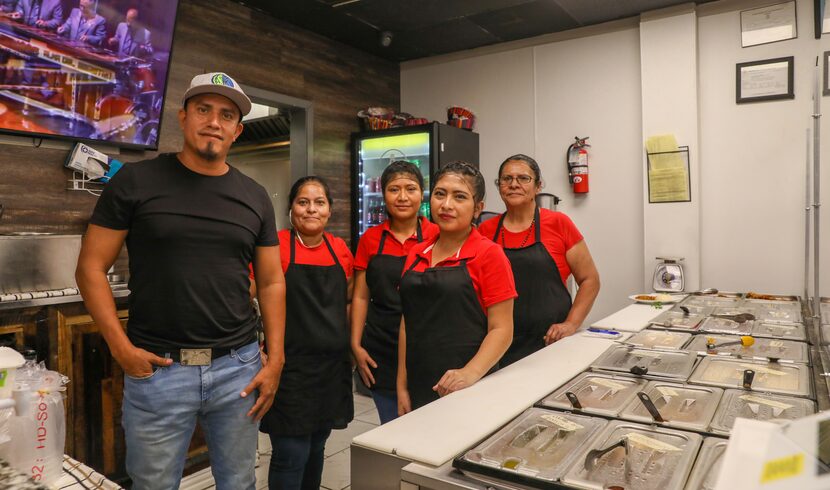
point(632, 318)
point(439, 431)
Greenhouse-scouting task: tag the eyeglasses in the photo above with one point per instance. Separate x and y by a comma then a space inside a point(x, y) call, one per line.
point(506, 180)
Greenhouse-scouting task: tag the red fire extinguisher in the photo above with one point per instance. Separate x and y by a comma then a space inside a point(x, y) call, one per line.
point(578, 165)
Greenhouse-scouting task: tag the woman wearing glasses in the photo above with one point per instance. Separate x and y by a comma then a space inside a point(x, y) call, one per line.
point(544, 248)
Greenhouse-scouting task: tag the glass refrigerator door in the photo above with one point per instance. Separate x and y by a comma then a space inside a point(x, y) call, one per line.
point(374, 155)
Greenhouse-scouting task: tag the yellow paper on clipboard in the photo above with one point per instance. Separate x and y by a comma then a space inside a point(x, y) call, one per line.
point(668, 172)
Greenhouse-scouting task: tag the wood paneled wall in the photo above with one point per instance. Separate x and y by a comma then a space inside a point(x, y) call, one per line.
point(257, 50)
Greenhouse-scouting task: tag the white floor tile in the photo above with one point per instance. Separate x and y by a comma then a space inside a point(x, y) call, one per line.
point(362, 404)
point(370, 416)
point(342, 439)
point(337, 471)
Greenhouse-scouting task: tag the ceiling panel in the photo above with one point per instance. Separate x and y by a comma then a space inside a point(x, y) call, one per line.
point(423, 28)
point(527, 20)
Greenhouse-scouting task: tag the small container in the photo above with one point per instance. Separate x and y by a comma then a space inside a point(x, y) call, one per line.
point(771, 298)
point(778, 314)
point(678, 320)
point(762, 349)
point(769, 377)
point(646, 458)
point(723, 325)
point(737, 404)
point(707, 467)
point(603, 394)
point(694, 310)
point(680, 406)
point(788, 332)
point(538, 445)
point(646, 362)
point(659, 339)
point(10, 360)
point(726, 299)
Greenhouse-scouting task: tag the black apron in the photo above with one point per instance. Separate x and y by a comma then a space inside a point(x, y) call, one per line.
point(383, 319)
point(315, 391)
point(543, 298)
point(445, 326)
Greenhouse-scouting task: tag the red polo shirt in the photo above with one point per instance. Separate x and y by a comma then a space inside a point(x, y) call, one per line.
point(558, 232)
point(488, 267)
point(369, 242)
point(317, 255)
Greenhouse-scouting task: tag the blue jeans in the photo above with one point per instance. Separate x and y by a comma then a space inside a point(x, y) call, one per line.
point(297, 461)
point(160, 414)
point(387, 405)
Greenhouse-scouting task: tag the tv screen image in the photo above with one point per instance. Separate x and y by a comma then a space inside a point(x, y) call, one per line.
point(87, 70)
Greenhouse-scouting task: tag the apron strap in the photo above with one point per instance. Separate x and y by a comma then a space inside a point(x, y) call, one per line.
point(382, 242)
point(498, 228)
point(537, 231)
point(292, 245)
point(331, 250)
point(414, 263)
point(325, 240)
point(538, 225)
point(418, 234)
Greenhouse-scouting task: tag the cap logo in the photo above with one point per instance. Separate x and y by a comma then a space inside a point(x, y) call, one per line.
point(221, 79)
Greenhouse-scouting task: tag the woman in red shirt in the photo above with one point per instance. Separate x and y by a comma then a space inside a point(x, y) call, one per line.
point(544, 248)
point(376, 305)
point(457, 296)
point(315, 390)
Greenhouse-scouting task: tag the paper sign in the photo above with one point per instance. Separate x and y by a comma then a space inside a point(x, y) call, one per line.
point(608, 383)
point(761, 369)
point(562, 422)
point(667, 391)
point(643, 353)
point(764, 401)
point(649, 442)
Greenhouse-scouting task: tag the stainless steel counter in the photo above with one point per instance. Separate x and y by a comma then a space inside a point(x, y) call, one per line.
point(118, 291)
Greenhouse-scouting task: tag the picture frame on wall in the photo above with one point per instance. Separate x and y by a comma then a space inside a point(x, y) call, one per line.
point(825, 84)
point(769, 24)
point(758, 81)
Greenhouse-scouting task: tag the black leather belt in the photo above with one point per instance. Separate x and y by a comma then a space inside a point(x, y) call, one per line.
point(195, 357)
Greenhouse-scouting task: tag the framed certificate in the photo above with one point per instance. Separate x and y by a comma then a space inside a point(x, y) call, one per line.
point(768, 24)
point(757, 81)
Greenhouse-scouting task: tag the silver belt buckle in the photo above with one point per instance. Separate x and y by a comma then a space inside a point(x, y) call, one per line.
point(194, 357)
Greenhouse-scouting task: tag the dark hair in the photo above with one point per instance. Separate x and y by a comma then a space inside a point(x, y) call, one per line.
point(308, 179)
point(466, 170)
point(537, 173)
point(400, 167)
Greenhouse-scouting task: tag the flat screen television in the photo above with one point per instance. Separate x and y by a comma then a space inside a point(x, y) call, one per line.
point(87, 70)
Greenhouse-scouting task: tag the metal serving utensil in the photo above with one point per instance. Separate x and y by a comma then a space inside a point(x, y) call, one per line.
point(737, 318)
point(593, 455)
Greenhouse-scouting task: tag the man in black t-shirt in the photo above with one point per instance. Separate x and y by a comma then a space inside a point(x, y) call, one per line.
point(192, 224)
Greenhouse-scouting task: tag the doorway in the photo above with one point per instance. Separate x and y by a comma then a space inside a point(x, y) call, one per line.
point(275, 147)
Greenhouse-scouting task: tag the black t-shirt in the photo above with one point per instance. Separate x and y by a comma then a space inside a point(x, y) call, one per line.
point(190, 240)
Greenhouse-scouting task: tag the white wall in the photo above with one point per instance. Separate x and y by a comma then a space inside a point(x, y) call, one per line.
point(754, 162)
point(535, 100)
point(668, 73)
point(271, 169)
point(746, 220)
point(498, 88)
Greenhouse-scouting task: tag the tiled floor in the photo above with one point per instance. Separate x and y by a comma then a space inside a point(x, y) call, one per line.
point(337, 468)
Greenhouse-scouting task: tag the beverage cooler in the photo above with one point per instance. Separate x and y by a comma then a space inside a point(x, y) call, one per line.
point(428, 146)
